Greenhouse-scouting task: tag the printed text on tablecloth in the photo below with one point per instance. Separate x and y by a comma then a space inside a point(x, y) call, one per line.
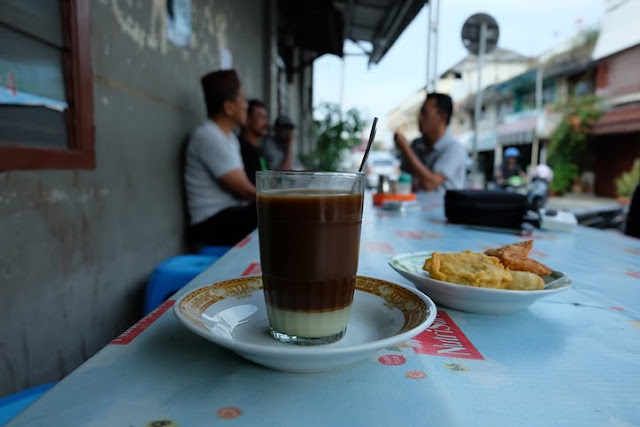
point(253, 269)
point(444, 338)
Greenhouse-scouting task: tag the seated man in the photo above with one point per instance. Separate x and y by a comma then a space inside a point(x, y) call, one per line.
point(251, 137)
point(220, 197)
point(436, 160)
point(279, 150)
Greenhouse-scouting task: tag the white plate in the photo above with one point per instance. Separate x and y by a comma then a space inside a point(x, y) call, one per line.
point(472, 299)
point(233, 314)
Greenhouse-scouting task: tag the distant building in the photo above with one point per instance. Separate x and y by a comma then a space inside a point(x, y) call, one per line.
point(459, 81)
point(616, 140)
point(517, 111)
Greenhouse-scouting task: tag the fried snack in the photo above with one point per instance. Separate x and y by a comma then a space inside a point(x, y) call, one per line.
point(516, 258)
point(524, 281)
point(468, 268)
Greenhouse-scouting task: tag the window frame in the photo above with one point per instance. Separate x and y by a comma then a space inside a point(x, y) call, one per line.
point(76, 64)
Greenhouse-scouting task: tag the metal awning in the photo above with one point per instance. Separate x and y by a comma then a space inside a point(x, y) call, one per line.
point(521, 129)
point(625, 119)
point(379, 22)
point(322, 26)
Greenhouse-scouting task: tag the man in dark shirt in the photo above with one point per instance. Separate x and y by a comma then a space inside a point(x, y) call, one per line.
point(251, 135)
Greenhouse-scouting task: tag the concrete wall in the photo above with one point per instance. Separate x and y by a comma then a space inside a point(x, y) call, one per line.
point(78, 246)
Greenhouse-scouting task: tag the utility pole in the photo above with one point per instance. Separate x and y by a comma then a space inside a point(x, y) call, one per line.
point(428, 69)
point(436, 28)
point(433, 19)
point(480, 35)
point(478, 106)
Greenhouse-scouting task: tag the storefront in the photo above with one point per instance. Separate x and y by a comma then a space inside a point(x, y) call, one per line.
point(616, 144)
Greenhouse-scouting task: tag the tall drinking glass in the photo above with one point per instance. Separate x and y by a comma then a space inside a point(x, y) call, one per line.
point(309, 225)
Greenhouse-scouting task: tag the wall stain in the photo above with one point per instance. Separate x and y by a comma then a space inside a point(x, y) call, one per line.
point(96, 285)
point(152, 34)
point(83, 349)
point(65, 217)
point(62, 370)
point(10, 367)
point(76, 179)
point(85, 234)
point(114, 84)
point(157, 34)
point(26, 359)
point(127, 25)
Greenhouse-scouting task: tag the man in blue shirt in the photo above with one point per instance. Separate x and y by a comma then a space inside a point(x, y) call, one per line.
point(436, 160)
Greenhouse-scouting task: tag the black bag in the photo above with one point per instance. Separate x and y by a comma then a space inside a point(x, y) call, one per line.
point(485, 208)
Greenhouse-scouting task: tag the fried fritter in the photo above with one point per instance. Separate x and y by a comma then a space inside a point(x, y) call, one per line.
point(468, 268)
point(524, 281)
point(516, 258)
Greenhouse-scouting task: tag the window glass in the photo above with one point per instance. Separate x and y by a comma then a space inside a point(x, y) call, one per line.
point(38, 18)
point(33, 98)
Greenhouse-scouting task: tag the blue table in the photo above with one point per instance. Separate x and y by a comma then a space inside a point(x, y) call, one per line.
point(570, 359)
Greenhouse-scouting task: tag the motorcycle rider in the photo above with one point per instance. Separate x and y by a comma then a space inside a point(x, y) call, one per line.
point(509, 168)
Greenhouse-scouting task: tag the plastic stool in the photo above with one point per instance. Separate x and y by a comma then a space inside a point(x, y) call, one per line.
point(217, 251)
point(12, 405)
point(171, 275)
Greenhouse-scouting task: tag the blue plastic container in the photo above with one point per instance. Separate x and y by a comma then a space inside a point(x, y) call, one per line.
point(12, 405)
point(172, 275)
point(217, 251)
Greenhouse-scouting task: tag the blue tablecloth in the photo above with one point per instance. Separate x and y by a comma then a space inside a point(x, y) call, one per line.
point(570, 359)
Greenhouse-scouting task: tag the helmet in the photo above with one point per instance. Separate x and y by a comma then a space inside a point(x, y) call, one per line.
point(543, 172)
point(512, 152)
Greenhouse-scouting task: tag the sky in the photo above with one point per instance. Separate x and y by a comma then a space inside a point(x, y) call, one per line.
point(529, 28)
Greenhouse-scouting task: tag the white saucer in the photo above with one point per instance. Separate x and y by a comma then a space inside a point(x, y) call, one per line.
point(469, 298)
point(233, 314)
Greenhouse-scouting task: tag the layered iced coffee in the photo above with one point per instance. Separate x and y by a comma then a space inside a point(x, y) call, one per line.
point(309, 243)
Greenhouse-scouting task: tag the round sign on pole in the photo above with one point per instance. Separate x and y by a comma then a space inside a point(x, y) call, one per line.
point(471, 33)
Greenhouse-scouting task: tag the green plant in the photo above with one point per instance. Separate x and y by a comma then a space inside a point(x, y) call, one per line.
point(333, 132)
point(569, 139)
point(628, 181)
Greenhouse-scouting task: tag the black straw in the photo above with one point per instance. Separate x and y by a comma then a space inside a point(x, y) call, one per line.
point(372, 135)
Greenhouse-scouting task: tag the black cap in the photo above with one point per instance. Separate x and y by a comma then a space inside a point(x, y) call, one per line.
point(219, 86)
point(284, 121)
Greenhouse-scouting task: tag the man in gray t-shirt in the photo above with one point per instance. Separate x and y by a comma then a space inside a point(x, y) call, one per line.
point(220, 197)
point(436, 160)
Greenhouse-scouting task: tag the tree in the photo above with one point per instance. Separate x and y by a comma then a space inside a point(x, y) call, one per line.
point(570, 139)
point(333, 132)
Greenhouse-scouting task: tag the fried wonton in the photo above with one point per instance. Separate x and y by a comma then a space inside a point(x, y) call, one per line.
point(524, 281)
point(468, 268)
point(516, 258)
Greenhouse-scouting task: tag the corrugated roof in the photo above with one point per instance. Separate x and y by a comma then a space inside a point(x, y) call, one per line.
point(322, 26)
point(379, 22)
